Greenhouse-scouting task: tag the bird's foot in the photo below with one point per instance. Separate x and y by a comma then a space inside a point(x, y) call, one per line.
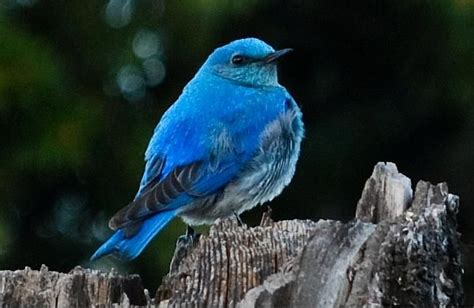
point(267, 217)
point(239, 220)
point(184, 246)
point(190, 237)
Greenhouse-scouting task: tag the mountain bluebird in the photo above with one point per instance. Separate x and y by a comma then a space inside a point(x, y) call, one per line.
point(229, 143)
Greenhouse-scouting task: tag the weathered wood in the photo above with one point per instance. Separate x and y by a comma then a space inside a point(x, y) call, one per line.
point(401, 249)
point(411, 260)
point(386, 195)
point(231, 260)
point(78, 288)
point(410, 257)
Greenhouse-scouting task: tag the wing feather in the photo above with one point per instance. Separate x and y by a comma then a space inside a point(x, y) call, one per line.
point(158, 197)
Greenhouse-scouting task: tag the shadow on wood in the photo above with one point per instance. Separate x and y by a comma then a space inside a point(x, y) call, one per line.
point(400, 249)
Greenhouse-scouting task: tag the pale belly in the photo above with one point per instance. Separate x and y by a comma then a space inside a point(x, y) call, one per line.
point(261, 180)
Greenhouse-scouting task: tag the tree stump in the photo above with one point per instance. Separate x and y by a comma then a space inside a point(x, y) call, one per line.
point(78, 288)
point(401, 249)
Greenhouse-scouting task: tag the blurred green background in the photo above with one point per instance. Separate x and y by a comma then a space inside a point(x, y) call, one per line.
point(83, 83)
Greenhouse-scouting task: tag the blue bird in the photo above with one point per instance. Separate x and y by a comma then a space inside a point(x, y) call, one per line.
point(229, 143)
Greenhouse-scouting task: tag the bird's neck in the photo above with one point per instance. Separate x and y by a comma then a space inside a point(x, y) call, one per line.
point(265, 78)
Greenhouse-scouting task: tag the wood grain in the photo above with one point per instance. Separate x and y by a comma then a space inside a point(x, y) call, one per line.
point(400, 249)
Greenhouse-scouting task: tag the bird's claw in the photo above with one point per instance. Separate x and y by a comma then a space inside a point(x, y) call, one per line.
point(239, 220)
point(184, 246)
point(190, 237)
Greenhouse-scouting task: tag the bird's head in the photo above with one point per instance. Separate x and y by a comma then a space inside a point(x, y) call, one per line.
point(248, 61)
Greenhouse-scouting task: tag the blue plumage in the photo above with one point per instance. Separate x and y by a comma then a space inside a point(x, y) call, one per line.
point(129, 248)
point(229, 143)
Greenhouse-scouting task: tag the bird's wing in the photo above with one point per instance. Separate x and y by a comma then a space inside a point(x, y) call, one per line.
point(180, 186)
point(178, 171)
point(152, 175)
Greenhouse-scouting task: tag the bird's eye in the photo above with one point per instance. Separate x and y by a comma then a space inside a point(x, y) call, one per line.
point(237, 59)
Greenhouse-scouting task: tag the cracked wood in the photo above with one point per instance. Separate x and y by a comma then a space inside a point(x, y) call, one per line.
point(402, 248)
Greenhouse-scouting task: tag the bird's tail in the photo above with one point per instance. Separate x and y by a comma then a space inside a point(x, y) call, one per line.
point(129, 247)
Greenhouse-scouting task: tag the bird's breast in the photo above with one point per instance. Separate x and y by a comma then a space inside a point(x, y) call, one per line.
point(262, 177)
point(274, 163)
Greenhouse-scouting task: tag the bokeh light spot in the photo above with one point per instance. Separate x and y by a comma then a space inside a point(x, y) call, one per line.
point(118, 13)
point(155, 71)
point(131, 83)
point(146, 44)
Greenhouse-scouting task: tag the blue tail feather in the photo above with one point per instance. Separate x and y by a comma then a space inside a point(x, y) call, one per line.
point(128, 248)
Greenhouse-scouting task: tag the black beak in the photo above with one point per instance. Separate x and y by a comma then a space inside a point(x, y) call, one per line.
point(276, 55)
